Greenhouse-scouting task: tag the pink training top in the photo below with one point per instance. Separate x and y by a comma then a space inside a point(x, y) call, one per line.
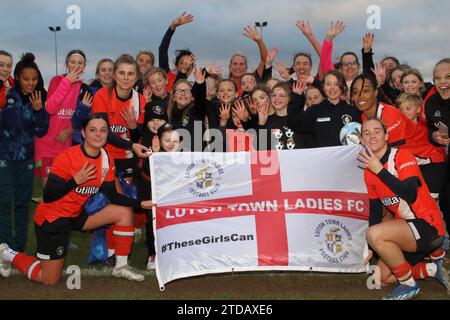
point(326, 60)
point(61, 102)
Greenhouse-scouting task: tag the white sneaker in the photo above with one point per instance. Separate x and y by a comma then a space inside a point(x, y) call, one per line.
point(5, 265)
point(151, 263)
point(127, 272)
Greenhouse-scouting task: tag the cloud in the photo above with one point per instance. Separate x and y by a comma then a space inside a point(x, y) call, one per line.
point(414, 31)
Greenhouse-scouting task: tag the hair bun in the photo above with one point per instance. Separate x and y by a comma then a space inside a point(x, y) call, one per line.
point(28, 57)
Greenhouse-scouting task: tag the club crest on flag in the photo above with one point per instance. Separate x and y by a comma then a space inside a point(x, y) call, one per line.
point(336, 240)
point(204, 177)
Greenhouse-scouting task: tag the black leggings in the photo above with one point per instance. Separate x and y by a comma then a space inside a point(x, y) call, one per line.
point(150, 236)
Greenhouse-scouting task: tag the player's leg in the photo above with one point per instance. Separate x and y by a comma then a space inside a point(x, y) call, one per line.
point(387, 278)
point(52, 239)
point(389, 239)
point(122, 227)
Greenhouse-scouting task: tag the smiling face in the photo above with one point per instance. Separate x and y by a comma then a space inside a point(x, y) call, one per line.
point(238, 66)
point(332, 89)
point(349, 67)
point(280, 99)
point(226, 92)
point(396, 76)
point(261, 99)
point(170, 141)
point(158, 84)
point(95, 134)
point(125, 76)
point(183, 94)
point(442, 80)
point(364, 96)
point(75, 61)
point(412, 84)
point(6, 65)
point(302, 66)
point(28, 79)
point(373, 136)
point(105, 73)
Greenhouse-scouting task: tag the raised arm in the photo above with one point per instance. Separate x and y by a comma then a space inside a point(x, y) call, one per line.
point(199, 93)
point(251, 33)
point(305, 28)
point(267, 74)
point(326, 60)
point(184, 18)
point(367, 54)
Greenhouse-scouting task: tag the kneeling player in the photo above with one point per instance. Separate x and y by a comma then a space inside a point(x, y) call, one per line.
point(394, 181)
point(77, 173)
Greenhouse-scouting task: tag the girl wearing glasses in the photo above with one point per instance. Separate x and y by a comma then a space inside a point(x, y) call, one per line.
point(187, 109)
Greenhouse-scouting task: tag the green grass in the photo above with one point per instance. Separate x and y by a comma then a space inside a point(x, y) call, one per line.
point(241, 286)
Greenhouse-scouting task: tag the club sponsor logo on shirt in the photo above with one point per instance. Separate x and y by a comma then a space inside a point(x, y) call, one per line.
point(204, 176)
point(335, 240)
point(390, 201)
point(117, 128)
point(407, 164)
point(395, 125)
point(87, 190)
point(66, 113)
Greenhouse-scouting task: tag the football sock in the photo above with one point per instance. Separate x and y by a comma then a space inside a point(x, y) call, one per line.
point(403, 274)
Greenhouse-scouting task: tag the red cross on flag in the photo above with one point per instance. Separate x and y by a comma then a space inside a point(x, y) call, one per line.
point(267, 210)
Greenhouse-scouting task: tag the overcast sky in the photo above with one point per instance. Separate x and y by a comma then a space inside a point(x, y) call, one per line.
point(415, 31)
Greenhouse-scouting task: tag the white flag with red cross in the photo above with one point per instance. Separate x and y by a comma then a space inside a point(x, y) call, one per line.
point(303, 210)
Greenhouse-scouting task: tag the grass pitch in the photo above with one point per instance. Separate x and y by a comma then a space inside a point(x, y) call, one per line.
point(97, 284)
